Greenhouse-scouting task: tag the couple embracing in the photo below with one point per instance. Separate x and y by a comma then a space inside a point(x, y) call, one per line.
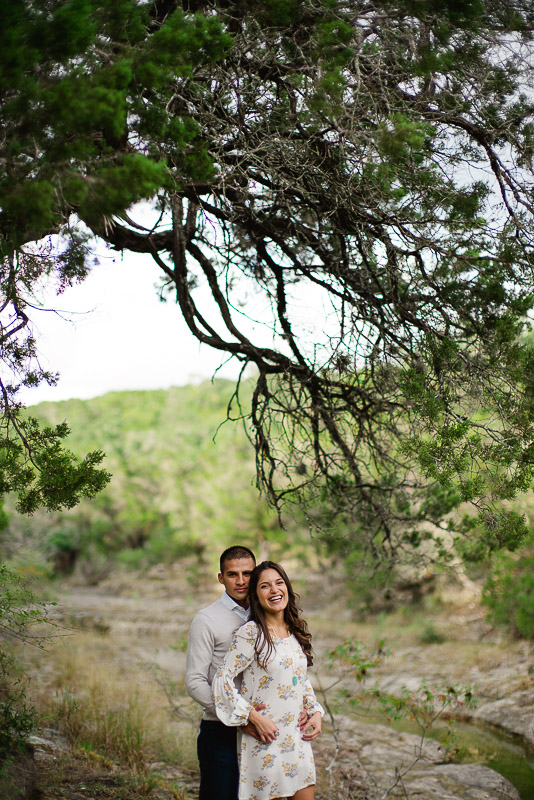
point(247, 662)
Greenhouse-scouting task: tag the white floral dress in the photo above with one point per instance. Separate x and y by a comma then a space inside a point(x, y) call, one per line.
point(282, 767)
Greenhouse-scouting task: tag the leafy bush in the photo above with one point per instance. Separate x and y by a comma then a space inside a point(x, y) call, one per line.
point(509, 593)
point(19, 611)
point(16, 714)
point(430, 634)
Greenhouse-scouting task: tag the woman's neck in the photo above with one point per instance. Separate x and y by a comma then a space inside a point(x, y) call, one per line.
point(276, 624)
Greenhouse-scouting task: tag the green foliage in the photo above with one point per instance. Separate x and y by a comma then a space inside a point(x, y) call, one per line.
point(457, 452)
point(36, 467)
point(80, 82)
point(377, 157)
point(354, 656)
point(73, 77)
point(19, 612)
point(509, 592)
point(17, 716)
point(423, 706)
point(430, 635)
point(180, 490)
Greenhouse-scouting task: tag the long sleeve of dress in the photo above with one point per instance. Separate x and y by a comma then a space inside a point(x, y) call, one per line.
point(230, 705)
point(311, 704)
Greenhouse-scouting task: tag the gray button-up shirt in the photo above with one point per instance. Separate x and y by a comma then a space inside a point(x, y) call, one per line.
point(210, 636)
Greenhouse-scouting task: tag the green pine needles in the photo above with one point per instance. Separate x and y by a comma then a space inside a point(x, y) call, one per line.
point(364, 171)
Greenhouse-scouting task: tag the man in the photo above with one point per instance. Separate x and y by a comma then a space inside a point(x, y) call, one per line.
point(210, 636)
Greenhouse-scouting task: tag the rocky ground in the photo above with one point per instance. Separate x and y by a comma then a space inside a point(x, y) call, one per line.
point(375, 762)
point(366, 763)
point(502, 681)
point(147, 619)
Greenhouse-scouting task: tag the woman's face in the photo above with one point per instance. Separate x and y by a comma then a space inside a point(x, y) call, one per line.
point(272, 591)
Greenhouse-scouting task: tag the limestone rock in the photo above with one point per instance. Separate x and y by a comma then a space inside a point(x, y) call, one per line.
point(514, 714)
point(458, 782)
point(401, 764)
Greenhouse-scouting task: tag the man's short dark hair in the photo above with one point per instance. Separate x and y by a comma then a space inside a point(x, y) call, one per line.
point(236, 551)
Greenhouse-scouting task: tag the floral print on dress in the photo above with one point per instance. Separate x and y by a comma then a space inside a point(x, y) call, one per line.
point(287, 745)
point(287, 719)
point(259, 747)
point(286, 692)
point(290, 769)
point(280, 768)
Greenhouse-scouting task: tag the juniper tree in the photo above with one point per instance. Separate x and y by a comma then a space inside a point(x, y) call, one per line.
point(379, 154)
point(75, 145)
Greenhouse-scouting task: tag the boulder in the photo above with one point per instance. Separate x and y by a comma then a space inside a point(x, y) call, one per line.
point(458, 782)
point(402, 765)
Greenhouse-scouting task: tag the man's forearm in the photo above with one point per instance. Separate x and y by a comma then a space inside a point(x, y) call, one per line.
point(198, 688)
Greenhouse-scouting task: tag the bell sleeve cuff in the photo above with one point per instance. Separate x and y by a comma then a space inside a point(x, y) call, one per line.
point(311, 704)
point(230, 705)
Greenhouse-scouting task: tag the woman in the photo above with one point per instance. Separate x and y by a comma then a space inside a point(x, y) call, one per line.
point(271, 652)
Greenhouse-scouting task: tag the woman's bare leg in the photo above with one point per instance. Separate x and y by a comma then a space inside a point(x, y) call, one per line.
point(304, 794)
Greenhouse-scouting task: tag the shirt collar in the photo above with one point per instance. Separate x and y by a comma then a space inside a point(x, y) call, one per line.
point(227, 601)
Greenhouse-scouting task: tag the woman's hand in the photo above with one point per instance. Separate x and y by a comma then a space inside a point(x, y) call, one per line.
point(250, 728)
point(266, 727)
point(312, 728)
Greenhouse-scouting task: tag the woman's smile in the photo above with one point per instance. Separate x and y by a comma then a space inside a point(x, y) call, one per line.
point(272, 591)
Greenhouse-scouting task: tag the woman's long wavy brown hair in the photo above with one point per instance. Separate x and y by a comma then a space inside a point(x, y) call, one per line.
point(295, 624)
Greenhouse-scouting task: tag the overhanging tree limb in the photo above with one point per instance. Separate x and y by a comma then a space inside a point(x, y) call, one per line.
point(373, 160)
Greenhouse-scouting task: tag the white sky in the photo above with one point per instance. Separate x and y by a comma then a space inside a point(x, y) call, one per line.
point(115, 334)
point(112, 333)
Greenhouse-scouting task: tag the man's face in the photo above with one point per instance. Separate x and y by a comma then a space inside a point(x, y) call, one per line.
point(235, 578)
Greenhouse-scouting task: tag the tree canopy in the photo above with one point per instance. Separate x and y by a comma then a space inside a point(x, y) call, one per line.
point(374, 155)
point(76, 124)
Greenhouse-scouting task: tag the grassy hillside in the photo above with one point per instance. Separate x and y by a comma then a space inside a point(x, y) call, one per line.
point(182, 483)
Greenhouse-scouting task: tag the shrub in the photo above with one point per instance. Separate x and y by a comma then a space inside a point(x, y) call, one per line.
point(430, 634)
point(16, 714)
point(19, 611)
point(509, 592)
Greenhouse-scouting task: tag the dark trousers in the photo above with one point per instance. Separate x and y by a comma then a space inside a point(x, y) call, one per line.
point(217, 757)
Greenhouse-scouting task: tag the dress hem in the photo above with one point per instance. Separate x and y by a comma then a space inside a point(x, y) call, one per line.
point(283, 796)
